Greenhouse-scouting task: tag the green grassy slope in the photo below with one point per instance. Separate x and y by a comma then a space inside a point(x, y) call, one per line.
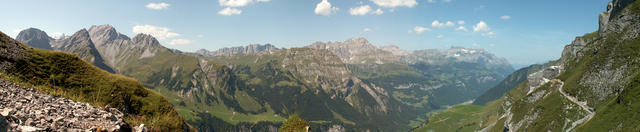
point(611, 59)
point(66, 75)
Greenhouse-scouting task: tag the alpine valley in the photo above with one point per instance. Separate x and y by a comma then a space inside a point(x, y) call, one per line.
point(351, 85)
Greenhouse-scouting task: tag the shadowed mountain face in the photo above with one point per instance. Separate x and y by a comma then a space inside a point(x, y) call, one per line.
point(352, 85)
point(35, 37)
point(592, 87)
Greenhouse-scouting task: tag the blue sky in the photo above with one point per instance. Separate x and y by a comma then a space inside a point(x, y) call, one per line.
point(524, 32)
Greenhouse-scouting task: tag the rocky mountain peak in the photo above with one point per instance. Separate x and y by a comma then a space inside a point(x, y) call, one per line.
point(358, 42)
point(350, 45)
point(145, 39)
point(104, 34)
point(81, 34)
point(35, 37)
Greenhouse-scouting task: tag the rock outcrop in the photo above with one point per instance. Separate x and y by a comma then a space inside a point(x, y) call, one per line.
point(25, 109)
point(249, 49)
point(36, 37)
point(614, 8)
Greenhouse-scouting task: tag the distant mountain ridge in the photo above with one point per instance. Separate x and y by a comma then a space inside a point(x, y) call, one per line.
point(249, 49)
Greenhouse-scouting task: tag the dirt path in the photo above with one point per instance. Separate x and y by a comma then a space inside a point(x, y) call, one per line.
point(582, 104)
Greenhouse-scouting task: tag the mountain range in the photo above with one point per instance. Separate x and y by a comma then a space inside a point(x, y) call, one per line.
point(350, 85)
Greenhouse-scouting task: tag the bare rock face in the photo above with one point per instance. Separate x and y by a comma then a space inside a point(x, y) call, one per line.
point(35, 38)
point(614, 11)
point(25, 109)
point(249, 49)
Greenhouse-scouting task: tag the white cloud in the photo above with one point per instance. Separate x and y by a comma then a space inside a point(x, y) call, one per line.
point(431, 1)
point(492, 45)
point(475, 45)
point(57, 35)
point(440, 36)
point(366, 30)
point(419, 30)
point(200, 36)
point(180, 42)
point(446, 1)
point(461, 28)
point(395, 3)
point(161, 33)
point(450, 24)
point(158, 6)
point(505, 17)
point(460, 22)
point(378, 12)
point(235, 3)
point(363, 10)
point(324, 8)
point(488, 34)
point(481, 27)
point(436, 23)
point(230, 11)
point(263, 0)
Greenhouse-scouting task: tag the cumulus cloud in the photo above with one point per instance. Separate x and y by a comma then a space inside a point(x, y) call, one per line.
point(180, 42)
point(419, 30)
point(437, 23)
point(481, 27)
point(460, 22)
point(161, 33)
point(363, 10)
point(158, 6)
point(461, 28)
point(234, 3)
point(232, 6)
point(449, 24)
point(230, 11)
point(505, 17)
point(378, 12)
point(324, 8)
point(395, 3)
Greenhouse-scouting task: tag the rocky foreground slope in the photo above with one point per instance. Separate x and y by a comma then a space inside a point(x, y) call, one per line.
point(26, 109)
point(66, 75)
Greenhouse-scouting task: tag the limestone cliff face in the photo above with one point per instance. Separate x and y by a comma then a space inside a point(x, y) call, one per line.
point(586, 87)
point(249, 49)
point(357, 51)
